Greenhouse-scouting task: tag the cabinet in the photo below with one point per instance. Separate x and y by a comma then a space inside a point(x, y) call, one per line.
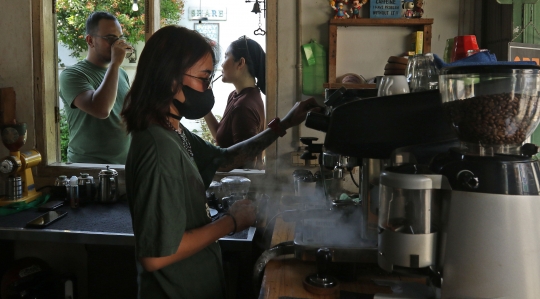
point(420, 24)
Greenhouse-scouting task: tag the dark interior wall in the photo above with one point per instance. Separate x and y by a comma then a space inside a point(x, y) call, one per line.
point(496, 29)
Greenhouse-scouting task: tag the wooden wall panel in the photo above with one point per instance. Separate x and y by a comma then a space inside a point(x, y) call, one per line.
point(7, 105)
point(496, 30)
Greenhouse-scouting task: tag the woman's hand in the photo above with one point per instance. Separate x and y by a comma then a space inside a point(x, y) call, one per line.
point(299, 111)
point(244, 213)
point(194, 240)
point(249, 149)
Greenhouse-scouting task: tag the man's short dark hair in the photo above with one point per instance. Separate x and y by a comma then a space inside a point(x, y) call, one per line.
point(93, 21)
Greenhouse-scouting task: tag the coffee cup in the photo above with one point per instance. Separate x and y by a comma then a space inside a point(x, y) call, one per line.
point(392, 85)
point(462, 44)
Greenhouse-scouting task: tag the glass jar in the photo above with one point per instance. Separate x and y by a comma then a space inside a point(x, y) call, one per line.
point(422, 72)
point(493, 108)
point(237, 186)
point(61, 187)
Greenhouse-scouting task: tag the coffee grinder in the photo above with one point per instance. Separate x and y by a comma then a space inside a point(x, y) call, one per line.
point(469, 216)
point(19, 183)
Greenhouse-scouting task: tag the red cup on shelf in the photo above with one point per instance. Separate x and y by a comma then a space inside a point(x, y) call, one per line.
point(462, 44)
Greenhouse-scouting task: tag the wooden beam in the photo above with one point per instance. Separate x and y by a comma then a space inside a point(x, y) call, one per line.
point(427, 39)
point(45, 77)
point(332, 55)
point(152, 17)
point(270, 153)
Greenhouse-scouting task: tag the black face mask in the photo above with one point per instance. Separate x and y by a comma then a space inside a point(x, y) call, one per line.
point(196, 105)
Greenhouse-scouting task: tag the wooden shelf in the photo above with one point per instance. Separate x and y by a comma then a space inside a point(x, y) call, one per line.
point(416, 23)
point(349, 86)
point(401, 22)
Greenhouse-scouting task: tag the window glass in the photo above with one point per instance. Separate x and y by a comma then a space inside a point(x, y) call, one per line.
point(239, 19)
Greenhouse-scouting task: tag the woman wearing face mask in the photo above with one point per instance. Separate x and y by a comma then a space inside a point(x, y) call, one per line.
point(245, 68)
point(168, 168)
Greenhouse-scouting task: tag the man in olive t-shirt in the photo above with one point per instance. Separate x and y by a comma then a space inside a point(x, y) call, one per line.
point(93, 92)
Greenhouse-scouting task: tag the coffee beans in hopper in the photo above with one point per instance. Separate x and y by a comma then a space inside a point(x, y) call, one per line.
point(493, 119)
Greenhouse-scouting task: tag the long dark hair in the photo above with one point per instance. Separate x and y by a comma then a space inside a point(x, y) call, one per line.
point(166, 57)
point(255, 58)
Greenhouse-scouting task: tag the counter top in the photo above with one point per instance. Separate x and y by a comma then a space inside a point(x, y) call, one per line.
point(284, 275)
point(94, 223)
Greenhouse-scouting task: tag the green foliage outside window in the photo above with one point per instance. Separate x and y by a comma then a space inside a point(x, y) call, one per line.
point(71, 27)
point(72, 14)
point(64, 135)
point(205, 133)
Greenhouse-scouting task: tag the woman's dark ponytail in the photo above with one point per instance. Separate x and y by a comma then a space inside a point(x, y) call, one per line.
point(255, 59)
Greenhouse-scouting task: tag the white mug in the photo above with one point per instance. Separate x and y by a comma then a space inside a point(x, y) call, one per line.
point(392, 85)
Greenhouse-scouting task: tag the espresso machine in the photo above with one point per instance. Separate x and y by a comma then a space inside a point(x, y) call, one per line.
point(467, 217)
point(360, 131)
point(17, 167)
point(369, 129)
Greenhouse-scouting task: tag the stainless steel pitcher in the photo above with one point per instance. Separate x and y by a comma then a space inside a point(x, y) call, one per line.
point(87, 188)
point(108, 185)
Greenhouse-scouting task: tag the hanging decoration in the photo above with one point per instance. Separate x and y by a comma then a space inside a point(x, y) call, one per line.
point(257, 6)
point(258, 10)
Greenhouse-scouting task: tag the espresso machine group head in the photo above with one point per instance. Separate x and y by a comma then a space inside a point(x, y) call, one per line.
point(17, 167)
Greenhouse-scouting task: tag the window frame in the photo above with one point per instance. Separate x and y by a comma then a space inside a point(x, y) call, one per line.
point(45, 48)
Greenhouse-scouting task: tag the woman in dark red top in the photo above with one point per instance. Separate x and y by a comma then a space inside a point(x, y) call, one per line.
point(245, 68)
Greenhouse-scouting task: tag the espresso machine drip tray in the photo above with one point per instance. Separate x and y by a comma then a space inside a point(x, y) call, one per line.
point(340, 232)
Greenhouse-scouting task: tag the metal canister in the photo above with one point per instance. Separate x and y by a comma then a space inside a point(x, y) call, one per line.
point(86, 188)
point(304, 182)
point(108, 185)
point(62, 180)
point(61, 187)
point(14, 187)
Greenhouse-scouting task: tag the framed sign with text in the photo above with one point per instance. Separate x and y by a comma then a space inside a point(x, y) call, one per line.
point(210, 30)
point(384, 9)
point(210, 13)
point(524, 52)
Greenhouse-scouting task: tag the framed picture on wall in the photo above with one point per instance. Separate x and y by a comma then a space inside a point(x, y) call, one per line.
point(210, 30)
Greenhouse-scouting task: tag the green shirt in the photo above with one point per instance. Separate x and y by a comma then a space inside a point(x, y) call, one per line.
point(166, 190)
point(93, 140)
